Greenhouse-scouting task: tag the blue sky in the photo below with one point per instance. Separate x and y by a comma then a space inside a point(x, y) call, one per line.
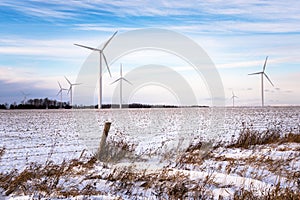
point(36, 44)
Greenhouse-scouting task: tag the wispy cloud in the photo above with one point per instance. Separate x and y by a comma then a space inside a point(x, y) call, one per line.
point(56, 49)
point(13, 80)
point(37, 9)
point(20, 75)
point(102, 27)
point(235, 15)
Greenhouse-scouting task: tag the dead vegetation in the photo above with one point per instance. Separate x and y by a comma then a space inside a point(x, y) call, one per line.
point(290, 137)
point(2, 151)
point(127, 181)
point(249, 137)
point(163, 184)
point(45, 179)
point(115, 151)
point(276, 194)
point(166, 183)
point(195, 154)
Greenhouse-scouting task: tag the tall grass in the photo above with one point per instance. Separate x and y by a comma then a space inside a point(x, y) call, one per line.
point(249, 137)
point(44, 179)
point(274, 194)
point(2, 151)
point(115, 151)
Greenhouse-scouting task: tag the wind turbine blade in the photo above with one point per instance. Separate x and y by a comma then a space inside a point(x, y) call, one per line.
point(90, 48)
point(109, 40)
point(232, 93)
point(127, 81)
point(68, 80)
point(255, 73)
point(106, 64)
point(121, 71)
point(269, 79)
point(59, 92)
point(265, 64)
point(59, 85)
point(116, 81)
point(76, 83)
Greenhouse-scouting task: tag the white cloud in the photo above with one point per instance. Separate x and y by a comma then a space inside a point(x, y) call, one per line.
point(268, 10)
point(57, 49)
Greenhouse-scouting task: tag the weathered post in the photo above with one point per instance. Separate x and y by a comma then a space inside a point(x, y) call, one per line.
point(102, 146)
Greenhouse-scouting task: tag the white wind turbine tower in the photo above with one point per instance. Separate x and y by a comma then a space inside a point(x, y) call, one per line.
point(60, 92)
point(121, 85)
point(25, 97)
point(101, 55)
point(262, 73)
point(70, 90)
point(233, 97)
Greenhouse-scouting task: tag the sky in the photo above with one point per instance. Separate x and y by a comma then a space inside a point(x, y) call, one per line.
point(37, 37)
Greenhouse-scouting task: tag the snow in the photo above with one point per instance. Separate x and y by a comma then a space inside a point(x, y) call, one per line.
point(157, 136)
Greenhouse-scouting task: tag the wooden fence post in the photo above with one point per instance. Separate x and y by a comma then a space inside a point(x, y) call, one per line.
point(102, 145)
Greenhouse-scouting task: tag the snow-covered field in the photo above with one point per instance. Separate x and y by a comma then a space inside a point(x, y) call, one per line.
point(155, 139)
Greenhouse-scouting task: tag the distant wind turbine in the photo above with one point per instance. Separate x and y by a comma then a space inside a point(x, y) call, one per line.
point(60, 92)
point(121, 85)
point(25, 97)
point(262, 73)
point(233, 97)
point(102, 55)
point(70, 89)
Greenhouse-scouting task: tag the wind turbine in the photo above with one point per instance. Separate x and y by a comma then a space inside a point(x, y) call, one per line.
point(101, 55)
point(70, 89)
point(25, 97)
point(232, 97)
point(121, 85)
point(262, 73)
point(60, 92)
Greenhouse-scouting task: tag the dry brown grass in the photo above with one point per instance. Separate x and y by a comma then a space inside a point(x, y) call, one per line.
point(290, 138)
point(164, 184)
point(195, 154)
point(115, 151)
point(2, 151)
point(45, 178)
point(249, 137)
point(275, 194)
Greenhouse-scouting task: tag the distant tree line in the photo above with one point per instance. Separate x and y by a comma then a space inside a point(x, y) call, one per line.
point(139, 105)
point(133, 105)
point(54, 104)
point(4, 106)
point(37, 104)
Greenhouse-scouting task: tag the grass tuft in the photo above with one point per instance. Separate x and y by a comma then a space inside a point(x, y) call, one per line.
point(2, 151)
point(249, 138)
point(291, 138)
point(274, 194)
point(44, 178)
